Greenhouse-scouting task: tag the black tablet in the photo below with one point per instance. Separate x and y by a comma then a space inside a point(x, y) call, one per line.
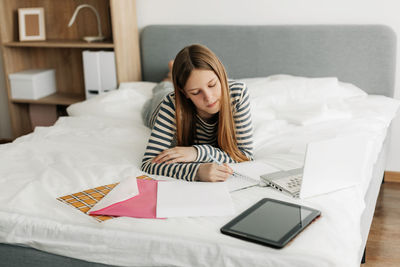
point(271, 222)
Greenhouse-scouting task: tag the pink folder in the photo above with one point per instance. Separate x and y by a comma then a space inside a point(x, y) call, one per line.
point(140, 206)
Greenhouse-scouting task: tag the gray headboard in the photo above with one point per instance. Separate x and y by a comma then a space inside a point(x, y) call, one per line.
point(364, 55)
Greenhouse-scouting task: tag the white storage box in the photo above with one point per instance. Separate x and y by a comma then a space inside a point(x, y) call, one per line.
point(33, 84)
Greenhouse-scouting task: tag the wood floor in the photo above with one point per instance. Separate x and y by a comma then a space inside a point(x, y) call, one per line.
point(383, 245)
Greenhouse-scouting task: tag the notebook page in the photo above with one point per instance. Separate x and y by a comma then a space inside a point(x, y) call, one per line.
point(247, 174)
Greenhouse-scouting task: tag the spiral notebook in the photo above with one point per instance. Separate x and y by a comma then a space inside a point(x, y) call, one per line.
point(247, 174)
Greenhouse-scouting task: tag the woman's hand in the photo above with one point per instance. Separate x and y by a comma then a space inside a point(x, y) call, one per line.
point(177, 154)
point(212, 172)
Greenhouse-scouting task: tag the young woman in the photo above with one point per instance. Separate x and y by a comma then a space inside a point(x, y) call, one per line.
point(204, 118)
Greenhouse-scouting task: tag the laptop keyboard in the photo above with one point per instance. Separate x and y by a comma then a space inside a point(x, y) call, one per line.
point(291, 183)
point(294, 181)
point(285, 181)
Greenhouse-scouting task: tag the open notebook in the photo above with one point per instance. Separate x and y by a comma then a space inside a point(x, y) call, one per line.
point(247, 174)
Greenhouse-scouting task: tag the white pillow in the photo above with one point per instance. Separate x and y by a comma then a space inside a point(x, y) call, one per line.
point(270, 95)
point(278, 90)
point(124, 103)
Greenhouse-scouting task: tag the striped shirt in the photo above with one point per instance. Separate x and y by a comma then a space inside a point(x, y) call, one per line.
point(163, 136)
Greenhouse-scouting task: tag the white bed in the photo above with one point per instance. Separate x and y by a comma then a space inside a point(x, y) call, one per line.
point(103, 141)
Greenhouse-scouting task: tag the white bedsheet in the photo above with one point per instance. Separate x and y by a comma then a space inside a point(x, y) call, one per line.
point(84, 152)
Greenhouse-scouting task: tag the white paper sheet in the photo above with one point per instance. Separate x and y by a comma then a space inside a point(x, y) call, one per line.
point(183, 199)
point(125, 190)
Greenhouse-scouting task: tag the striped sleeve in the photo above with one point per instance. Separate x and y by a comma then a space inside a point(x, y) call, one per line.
point(243, 126)
point(161, 138)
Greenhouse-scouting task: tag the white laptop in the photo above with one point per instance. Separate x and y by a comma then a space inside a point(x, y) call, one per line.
point(329, 165)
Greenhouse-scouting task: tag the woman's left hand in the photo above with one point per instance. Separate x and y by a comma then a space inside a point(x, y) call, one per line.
point(177, 154)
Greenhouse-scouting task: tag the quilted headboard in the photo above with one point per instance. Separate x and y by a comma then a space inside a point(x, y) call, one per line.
point(364, 55)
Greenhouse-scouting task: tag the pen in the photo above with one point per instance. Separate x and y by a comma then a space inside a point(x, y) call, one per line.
point(218, 162)
point(236, 174)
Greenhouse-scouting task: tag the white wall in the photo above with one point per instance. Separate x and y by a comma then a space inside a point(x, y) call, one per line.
point(281, 12)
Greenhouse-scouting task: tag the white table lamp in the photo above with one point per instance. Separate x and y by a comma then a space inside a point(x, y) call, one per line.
point(98, 38)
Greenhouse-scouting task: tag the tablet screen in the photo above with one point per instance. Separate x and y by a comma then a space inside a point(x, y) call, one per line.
point(272, 220)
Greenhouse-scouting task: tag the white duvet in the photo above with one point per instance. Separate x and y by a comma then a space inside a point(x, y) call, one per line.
point(89, 150)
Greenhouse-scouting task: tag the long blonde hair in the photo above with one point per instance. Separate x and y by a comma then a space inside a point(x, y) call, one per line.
point(200, 57)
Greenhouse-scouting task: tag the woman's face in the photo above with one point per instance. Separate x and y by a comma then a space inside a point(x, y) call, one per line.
point(204, 89)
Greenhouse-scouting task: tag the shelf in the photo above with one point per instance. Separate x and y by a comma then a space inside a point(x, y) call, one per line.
point(62, 50)
point(54, 99)
point(60, 44)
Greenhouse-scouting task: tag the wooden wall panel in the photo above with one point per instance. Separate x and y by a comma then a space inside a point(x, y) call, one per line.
point(126, 40)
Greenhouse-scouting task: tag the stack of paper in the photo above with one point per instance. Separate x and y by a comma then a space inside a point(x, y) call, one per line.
point(161, 199)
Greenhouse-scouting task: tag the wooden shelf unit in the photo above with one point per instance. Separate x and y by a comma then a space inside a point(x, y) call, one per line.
point(63, 48)
point(54, 99)
point(61, 44)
